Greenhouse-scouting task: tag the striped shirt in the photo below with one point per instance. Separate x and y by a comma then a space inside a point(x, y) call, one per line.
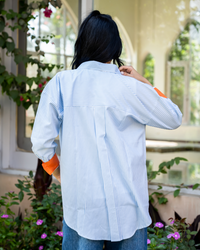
point(100, 116)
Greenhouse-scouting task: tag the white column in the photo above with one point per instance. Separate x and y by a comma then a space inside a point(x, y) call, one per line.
point(160, 69)
point(8, 107)
point(86, 7)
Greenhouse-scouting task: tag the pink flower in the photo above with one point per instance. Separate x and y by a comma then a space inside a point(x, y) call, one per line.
point(40, 85)
point(176, 236)
point(39, 222)
point(40, 247)
point(68, 24)
point(172, 222)
point(4, 216)
point(43, 236)
point(21, 98)
point(170, 235)
point(159, 224)
point(59, 233)
point(148, 241)
point(47, 12)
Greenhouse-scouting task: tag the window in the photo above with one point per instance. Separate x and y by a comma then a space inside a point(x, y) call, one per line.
point(62, 24)
point(178, 84)
point(187, 173)
point(184, 71)
point(149, 64)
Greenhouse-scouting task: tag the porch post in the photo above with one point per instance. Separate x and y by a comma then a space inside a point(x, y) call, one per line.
point(85, 7)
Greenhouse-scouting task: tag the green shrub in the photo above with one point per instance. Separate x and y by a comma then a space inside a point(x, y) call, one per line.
point(41, 229)
point(175, 236)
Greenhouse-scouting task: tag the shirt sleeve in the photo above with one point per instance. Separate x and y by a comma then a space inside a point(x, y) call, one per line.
point(150, 106)
point(47, 125)
point(160, 111)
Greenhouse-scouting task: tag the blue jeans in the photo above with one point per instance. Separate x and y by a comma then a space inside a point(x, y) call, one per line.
point(73, 241)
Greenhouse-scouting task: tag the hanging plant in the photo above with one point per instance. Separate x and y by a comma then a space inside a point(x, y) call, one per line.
point(22, 89)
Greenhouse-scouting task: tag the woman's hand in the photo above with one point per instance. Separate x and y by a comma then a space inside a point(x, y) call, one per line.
point(130, 71)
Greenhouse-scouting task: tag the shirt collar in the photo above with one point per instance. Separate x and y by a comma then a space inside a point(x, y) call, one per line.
point(112, 68)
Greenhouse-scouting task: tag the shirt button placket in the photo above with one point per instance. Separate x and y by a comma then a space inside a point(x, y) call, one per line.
point(106, 174)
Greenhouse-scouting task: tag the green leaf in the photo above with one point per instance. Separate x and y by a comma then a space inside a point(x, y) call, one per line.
point(191, 242)
point(31, 174)
point(195, 186)
point(41, 208)
point(159, 187)
point(162, 200)
point(152, 230)
point(178, 159)
point(26, 190)
point(176, 192)
point(163, 171)
point(193, 232)
point(4, 197)
point(14, 203)
point(162, 165)
point(2, 41)
point(21, 78)
point(18, 58)
point(2, 69)
point(151, 199)
point(153, 242)
point(14, 94)
point(26, 105)
point(2, 23)
point(9, 80)
point(1, 79)
point(30, 82)
point(5, 35)
point(171, 162)
point(21, 195)
point(10, 46)
point(19, 186)
point(161, 247)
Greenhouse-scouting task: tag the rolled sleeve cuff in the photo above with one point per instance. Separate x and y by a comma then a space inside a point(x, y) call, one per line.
point(51, 165)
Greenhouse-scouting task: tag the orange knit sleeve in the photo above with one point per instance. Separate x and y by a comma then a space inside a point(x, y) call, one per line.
point(51, 165)
point(160, 93)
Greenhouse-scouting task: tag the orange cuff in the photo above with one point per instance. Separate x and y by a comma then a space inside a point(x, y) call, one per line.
point(160, 93)
point(51, 165)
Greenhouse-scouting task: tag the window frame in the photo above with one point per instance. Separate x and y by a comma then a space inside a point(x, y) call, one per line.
point(186, 100)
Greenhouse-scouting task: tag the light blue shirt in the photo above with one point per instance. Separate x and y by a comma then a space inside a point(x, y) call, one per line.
point(101, 116)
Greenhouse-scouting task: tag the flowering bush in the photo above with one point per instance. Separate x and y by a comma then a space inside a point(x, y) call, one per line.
point(38, 230)
point(22, 89)
point(175, 236)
